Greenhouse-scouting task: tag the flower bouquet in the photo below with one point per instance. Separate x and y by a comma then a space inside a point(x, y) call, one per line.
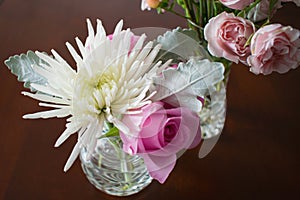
point(136, 105)
point(235, 31)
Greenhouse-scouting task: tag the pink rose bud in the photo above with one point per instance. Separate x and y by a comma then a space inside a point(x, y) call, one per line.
point(274, 48)
point(227, 35)
point(236, 4)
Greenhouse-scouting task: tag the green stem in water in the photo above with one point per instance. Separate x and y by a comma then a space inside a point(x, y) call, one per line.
point(124, 170)
point(117, 145)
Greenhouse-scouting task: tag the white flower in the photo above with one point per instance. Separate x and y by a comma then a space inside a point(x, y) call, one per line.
point(144, 5)
point(111, 79)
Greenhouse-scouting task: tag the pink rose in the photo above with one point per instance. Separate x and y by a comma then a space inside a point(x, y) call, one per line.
point(159, 132)
point(261, 10)
point(227, 35)
point(236, 4)
point(274, 48)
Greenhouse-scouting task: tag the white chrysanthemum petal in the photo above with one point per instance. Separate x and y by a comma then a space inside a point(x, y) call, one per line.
point(162, 67)
point(47, 58)
point(154, 70)
point(74, 54)
point(118, 28)
point(134, 102)
point(100, 126)
point(64, 65)
point(133, 112)
point(122, 108)
point(56, 72)
point(55, 81)
point(47, 98)
point(48, 114)
point(71, 128)
point(48, 90)
point(94, 135)
point(135, 50)
point(134, 71)
point(81, 48)
point(60, 59)
point(53, 105)
point(139, 45)
point(121, 126)
point(145, 51)
point(101, 33)
point(142, 103)
point(73, 156)
point(91, 34)
point(150, 58)
point(126, 43)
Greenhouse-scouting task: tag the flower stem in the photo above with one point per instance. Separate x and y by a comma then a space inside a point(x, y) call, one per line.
point(116, 143)
point(194, 20)
point(176, 13)
point(124, 170)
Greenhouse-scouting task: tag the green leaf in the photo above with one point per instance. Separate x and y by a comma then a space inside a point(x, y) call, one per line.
point(22, 67)
point(271, 6)
point(181, 3)
point(163, 5)
point(180, 45)
point(112, 132)
point(172, 5)
point(182, 86)
point(249, 40)
point(242, 14)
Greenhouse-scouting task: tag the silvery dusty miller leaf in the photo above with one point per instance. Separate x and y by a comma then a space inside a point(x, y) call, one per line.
point(21, 66)
point(180, 45)
point(190, 80)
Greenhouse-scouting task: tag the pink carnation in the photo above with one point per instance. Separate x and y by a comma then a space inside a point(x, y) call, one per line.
point(227, 35)
point(274, 48)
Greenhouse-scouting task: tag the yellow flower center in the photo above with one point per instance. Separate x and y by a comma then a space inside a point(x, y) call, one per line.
point(104, 89)
point(105, 79)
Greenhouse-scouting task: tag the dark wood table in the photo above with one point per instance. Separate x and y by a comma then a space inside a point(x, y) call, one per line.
point(256, 157)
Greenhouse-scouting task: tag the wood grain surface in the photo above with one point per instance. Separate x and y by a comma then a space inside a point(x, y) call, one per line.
point(256, 157)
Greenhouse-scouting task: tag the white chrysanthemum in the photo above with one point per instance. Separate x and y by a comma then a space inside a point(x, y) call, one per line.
point(111, 79)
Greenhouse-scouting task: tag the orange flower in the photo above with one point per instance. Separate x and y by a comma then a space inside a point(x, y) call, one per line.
point(153, 3)
point(148, 4)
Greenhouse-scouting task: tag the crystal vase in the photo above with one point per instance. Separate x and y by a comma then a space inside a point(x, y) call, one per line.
point(113, 171)
point(213, 113)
